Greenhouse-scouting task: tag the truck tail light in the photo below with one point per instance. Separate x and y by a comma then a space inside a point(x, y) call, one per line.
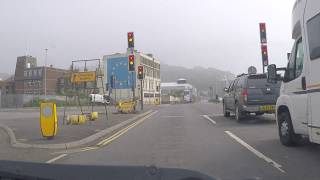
point(245, 94)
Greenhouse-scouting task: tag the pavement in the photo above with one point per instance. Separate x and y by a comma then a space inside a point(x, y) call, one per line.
point(195, 137)
point(24, 124)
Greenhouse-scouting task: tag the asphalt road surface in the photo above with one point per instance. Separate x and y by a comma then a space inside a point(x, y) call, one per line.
point(198, 137)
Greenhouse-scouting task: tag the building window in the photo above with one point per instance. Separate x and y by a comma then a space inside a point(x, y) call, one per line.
point(39, 72)
point(35, 72)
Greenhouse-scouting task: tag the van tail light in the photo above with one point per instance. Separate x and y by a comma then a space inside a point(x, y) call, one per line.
point(245, 94)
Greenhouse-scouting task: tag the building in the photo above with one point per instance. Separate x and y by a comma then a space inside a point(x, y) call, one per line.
point(31, 79)
point(181, 89)
point(116, 67)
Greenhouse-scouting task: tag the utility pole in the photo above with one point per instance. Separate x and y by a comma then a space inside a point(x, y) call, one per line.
point(45, 73)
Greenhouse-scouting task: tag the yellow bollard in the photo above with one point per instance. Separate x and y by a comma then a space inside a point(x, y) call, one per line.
point(76, 119)
point(48, 119)
point(82, 119)
point(93, 116)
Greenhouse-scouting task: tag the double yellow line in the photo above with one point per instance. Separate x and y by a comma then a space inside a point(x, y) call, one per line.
point(111, 138)
point(123, 131)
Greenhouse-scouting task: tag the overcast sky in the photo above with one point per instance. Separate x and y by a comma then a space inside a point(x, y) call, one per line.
point(223, 34)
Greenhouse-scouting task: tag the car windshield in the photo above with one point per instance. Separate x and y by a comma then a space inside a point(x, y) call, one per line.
point(161, 85)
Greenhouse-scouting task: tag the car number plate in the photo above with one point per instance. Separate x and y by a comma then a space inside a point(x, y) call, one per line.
point(268, 108)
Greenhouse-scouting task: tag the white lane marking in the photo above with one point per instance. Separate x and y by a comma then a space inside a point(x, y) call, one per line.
point(256, 152)
point(208, 118)
point(56, 158)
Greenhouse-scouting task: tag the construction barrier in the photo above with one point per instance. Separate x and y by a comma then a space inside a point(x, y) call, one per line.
point(126, 106)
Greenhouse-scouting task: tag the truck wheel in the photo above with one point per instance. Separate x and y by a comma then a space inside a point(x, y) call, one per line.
point(238, 113)
point(286, 132)
point(225, 112)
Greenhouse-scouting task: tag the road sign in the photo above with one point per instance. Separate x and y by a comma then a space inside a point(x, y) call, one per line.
point(48, 119)
point(83, 77)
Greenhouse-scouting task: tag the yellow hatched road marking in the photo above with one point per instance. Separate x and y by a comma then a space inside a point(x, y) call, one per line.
point(121, 132)
point(109, 139)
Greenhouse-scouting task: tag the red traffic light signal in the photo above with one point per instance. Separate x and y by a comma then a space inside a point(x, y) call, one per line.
point(131, 63)
point(264, 51)
point(263, 33)
point(130, 40)
point(140, 72)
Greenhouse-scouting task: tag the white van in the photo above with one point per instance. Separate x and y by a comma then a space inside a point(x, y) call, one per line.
point(298, 107)
point(99, 99)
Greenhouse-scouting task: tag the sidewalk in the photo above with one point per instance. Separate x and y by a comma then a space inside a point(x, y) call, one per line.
point(26, 127)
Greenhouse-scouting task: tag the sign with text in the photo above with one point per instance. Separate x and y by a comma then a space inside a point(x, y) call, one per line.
point(80, 77)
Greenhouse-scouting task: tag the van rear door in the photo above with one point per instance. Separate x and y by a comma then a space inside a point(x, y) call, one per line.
point(260, 92)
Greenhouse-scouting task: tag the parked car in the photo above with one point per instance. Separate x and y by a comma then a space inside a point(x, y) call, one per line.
point(250, 94)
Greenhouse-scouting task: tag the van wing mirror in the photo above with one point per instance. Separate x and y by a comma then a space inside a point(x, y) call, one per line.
point(226, 89)
point(272, 73)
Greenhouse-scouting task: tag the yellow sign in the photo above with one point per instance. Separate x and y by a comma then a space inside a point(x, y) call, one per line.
point(48, 119)
point(83, 77)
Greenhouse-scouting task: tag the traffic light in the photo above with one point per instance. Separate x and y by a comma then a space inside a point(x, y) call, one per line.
point(140, 72)
point(131, 62)
point(264, 51)
point(263, 33)
point(130, 40)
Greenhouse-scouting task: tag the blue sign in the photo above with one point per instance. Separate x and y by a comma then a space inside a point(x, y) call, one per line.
point(118, 67)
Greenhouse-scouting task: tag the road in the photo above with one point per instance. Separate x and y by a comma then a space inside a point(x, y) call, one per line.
point(198, 137)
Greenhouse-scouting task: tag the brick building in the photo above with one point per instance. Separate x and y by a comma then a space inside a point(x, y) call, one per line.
point(31, 79)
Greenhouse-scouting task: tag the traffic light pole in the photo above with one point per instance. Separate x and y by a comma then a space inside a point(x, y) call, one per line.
point(133, 89)
point(141, 94)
